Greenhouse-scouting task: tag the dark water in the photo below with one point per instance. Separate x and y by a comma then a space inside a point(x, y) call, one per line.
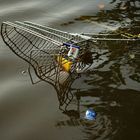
point(112, 87)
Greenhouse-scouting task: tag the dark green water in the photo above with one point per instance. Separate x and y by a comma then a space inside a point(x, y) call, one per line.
point(111, 88)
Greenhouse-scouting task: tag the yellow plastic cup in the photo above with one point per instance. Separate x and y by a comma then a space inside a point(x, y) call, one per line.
point(66, 64)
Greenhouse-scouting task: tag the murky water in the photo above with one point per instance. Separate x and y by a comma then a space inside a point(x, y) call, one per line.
point(111, 87)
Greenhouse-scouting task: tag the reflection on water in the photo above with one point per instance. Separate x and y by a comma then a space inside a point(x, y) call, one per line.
point(111, 87)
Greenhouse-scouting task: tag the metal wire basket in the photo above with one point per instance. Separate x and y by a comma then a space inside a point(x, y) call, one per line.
point(46, 50)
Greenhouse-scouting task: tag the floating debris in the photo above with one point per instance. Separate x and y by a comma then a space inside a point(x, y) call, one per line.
point(101, 6)
point(90, 114)
point(24, 72)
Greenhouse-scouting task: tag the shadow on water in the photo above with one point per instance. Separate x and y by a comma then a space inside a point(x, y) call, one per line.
point(111, 87)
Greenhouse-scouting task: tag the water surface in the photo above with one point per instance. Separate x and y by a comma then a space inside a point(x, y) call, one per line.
point(112, 87)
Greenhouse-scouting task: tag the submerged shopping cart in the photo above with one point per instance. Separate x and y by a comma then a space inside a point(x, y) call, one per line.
point(57, 57)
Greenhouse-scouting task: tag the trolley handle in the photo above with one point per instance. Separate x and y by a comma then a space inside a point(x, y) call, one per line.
point(71, 45)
